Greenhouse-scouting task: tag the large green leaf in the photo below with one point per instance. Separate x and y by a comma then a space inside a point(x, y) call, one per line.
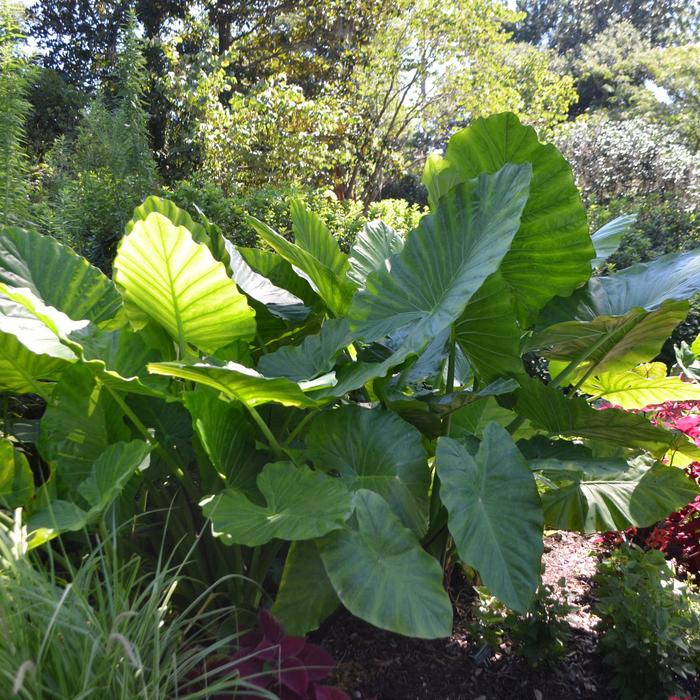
point(25, 372)
point(373, 247)
point(621, 320)
point(594, 495)
point(439, 177)
point(552, 251)
point(548, 408)
point(376, 450)
point(382, 575)
point(57, 276)
point(444, 262)
point(608, 343)
point(30, 352)
point(316, 257)
point(316, 355)
point(299, 612)
point(280, 272)
point(239, 383)
point(300, 505)
point(606, 239)
point(110, 473)
point(119, 358)
point(16, 479)
point(494, 513)
point(488, 332)
point(277, 301)
point(81, 420)
point(177, 283)
point(170, 210)
point(226, 436)
point(633, 390)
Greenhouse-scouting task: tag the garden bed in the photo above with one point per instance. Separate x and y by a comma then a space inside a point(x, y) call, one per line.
point(377, 664)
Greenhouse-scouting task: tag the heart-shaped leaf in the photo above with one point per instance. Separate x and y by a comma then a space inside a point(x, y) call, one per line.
point(552, 250)
point(299, 612)
point(382, 575)
point(444, 262)
point(490, 496)
point(604, 495)
point(300, 505)
point(56, 275)
point(177, 283)
point(621, 320)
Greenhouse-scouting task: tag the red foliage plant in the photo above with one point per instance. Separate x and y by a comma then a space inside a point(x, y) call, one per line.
point(678, 536)
point(290, 667)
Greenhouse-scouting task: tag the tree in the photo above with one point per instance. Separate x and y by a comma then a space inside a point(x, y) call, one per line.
point(675, 73)
point(426, 67)
point(79, 38)
point(434, 66)
point(108, 169)
point(566, 25)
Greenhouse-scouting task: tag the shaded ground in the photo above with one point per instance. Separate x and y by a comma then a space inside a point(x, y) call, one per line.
point(376, 664)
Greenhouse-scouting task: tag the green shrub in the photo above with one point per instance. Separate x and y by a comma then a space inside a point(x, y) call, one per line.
point(650, 623)
point(539, 635)
point(662, 226)
point(344, 218)
point(15, 77)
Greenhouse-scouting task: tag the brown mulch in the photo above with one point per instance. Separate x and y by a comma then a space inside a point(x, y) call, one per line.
point(385, 666)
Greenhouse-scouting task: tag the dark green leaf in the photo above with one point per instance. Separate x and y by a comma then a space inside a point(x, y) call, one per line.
point(552, 250)
point(57, 276)
point(294, 607)
point(494, 513)
point(382, 575)
point(301, 505)
point(444, 262)
point(376, 450)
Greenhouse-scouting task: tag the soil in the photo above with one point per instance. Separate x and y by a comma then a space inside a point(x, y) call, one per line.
point(374, 664)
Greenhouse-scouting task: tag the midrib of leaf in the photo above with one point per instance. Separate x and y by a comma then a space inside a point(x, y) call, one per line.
point(176, 308)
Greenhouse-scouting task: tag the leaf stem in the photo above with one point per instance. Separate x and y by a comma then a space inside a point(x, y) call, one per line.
point(165, 455)
point(265, 430)
point(298, 427)
point(450, 382)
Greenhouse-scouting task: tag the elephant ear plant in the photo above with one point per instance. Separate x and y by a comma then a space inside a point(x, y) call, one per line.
point(357, 422)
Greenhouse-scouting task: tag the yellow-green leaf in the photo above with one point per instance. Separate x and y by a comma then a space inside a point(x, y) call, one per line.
point(178, 283)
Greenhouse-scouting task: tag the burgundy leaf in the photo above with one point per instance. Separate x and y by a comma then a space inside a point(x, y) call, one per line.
point(327, 692)
point(293, 675)
point(271, 629)
point(319, 663)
